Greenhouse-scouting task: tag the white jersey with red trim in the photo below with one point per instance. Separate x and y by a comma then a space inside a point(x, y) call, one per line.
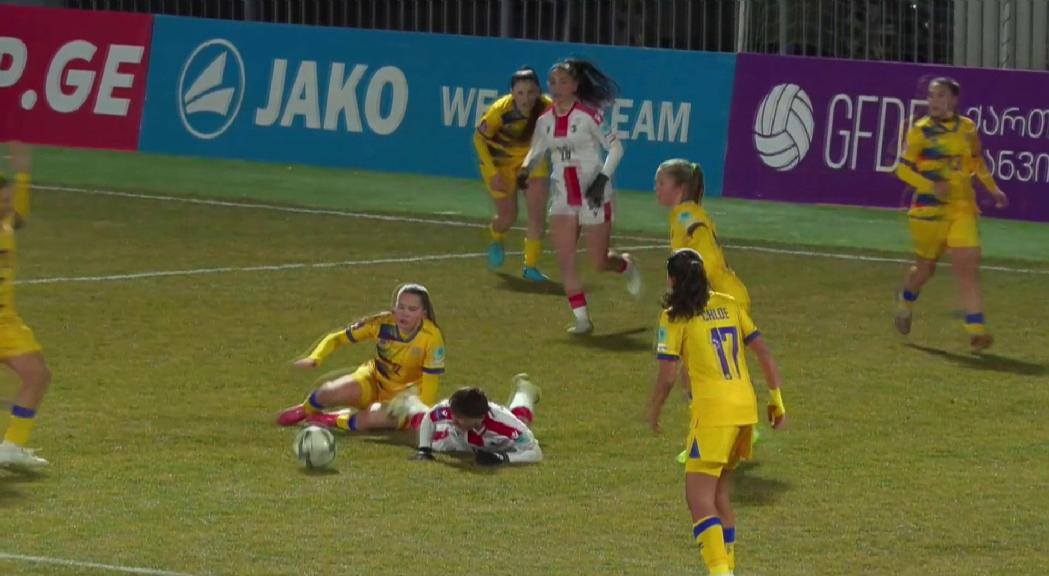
point(500, 431)
point(579, 149)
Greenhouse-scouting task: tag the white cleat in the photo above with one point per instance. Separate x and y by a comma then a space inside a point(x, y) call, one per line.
point(522, 384)
point(633, 276)
point(903, 321)
point(581, 327)
point(14, 456)
point(405, 405)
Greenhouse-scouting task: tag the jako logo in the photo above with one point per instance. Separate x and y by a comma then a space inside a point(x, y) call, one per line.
point(784, 127)
point(210, 104)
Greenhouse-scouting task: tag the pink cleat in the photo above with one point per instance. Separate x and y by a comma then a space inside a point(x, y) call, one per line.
point(292, 415)
point(326, 419)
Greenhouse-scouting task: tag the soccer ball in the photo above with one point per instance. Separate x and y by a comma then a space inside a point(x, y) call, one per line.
point(315, 447)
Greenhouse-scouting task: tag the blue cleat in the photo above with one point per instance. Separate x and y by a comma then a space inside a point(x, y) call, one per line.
point(532, 273)
point(496, 254)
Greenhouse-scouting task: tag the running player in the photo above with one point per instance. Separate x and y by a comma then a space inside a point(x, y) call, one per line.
point(19, 350)
point(943, 152)
point(501, 139)
point(584, 156)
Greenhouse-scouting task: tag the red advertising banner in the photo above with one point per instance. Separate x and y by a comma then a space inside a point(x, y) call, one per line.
point(73, 78)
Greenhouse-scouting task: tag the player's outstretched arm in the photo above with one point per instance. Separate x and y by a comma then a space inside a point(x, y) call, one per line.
point(664, 383)
point(777, 412)
point(322, 349)
point(530, 454)
point(426, 430)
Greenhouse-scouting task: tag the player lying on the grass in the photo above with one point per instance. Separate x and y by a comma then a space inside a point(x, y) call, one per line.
point(942, 155)
point(409, 351)
point(706, 330)
point(468, 422)
point(502, 139)
point(19, 350)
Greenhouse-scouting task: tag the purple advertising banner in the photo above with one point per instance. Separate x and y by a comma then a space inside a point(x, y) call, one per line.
point(830, 131)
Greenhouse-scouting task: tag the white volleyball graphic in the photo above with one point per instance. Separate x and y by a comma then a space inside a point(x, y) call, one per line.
point(783, 127)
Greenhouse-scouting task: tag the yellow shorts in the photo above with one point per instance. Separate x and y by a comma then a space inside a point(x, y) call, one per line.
point(930, 237)
point(16, 339)
point(509, 174)
point(726, 282)
point(710, 450)
point(374, 387)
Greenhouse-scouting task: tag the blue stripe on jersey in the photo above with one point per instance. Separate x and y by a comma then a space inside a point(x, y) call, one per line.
point(927, 200)
point(702, 526)
point(433, 370)
point(667, 356)
point(749, 337)
point(933, 175)
point(349, 334)
point(694, 451)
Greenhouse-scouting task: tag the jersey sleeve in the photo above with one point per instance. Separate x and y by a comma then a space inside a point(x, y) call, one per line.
point(746, 324)
point(487, 128)
point(526, 449)
point(607, 139)
point(364, 329)
point(540, 143)
point(908, 168)
point(327, 345)
point(433, 361)
point(977, 163)
point(669, 338)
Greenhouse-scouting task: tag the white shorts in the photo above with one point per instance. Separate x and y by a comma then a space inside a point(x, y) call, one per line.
point(568, 197)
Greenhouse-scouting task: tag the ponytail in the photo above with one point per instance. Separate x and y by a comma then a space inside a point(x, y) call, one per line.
point(689, 289)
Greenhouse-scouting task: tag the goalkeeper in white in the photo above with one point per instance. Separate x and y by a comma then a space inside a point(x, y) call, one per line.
point(468, 422)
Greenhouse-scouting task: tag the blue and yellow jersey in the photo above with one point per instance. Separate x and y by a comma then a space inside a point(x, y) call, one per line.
point(943, 151)
point(400, 359)
point(16, 212)
point(711, 345)
point(691, 227)
point(504, 135)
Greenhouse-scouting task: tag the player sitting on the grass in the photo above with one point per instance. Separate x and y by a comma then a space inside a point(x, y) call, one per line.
point(468, 422)
point(409, 351)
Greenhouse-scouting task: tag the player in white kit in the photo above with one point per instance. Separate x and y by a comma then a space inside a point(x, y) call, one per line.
point(468, 422)
point(583, 155)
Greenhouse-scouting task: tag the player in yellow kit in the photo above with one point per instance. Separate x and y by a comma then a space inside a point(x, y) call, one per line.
point(19, 350)
point(943, 153)
point(502, 139)
point(707, 331)
point(679, 186)
point(409, 351)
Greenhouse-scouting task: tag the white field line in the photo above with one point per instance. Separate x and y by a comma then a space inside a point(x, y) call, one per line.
point(279, 267)
point(91, 565)
point(463, 224)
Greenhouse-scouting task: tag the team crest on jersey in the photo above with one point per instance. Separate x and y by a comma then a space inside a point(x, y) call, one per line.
point(483, 128)
point(438, 355)
point(684, 217)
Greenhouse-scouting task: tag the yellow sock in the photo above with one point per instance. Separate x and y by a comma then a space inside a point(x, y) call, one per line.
point(496, 236)
point(532, 249)
point(347, 421)
point(730, 546)
point(21, 424)
point(711, 539)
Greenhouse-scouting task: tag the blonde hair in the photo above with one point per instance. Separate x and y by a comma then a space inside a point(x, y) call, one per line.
point(690, 174)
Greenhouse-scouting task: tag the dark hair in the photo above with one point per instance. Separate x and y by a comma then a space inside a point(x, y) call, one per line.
point(423, 294)
point(948, 82)
point(528, 74)
point(689, 290)
point(682, 171)
point(469, 403)
point(593, 86)
point(525, 74)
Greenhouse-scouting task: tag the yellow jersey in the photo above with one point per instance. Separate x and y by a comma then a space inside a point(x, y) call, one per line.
point(399, 358)
point(943, 151)
point(703, 238)
point(20, 211)
point(504, 135)
point(711, 346)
